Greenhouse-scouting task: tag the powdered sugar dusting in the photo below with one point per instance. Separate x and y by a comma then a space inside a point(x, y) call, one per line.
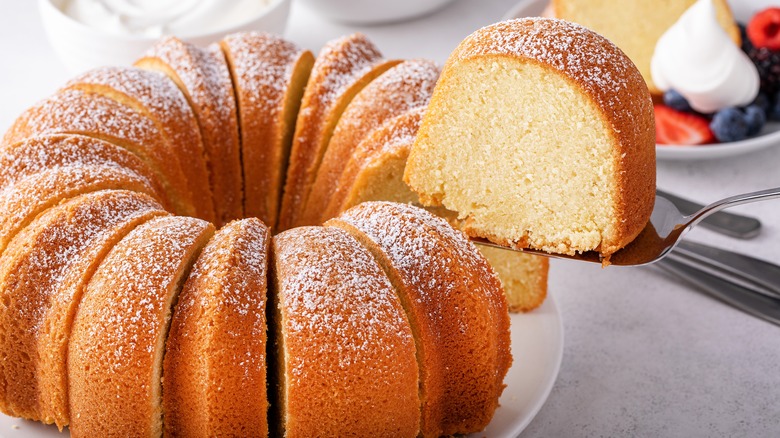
point(340, 63)
point(22, 201)
point(597, 64)
point(337, 302)
point(45, 152)
point(119, 332)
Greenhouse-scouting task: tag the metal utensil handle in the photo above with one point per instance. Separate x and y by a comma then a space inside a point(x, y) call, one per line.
point(732, 201)
point(758, 275)
point(740, 297)
point(730, 224)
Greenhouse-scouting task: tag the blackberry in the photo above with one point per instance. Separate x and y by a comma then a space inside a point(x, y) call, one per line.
point(768, 65)
point(747, 45)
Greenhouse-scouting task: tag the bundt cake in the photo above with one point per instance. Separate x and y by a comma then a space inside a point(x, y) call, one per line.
point(540, 134)
point(455, 306)
point(345, 356)
point(269, 75)
point(77, 112)
point(42, 276)
point(342, 68)
point(118, 318)
point(117, 341)
point(204, 78)
point(158, 99)
point(636, 26)
point(402, 88)
point(215, 357)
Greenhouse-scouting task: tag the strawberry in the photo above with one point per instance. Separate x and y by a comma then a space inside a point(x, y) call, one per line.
point(764, 29)
point(677, 127)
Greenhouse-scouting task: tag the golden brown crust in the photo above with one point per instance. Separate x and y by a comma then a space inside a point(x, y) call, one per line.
point(393, 139)
point(610, 81)
point(47, 152)
point(77, 112)
point(402, 88)
point(460, 320)
point(269, 76)
point(42, 276)
point(158, 98)
point(203, 76)
point(349, 354)
point(214, 374)
point(118, 336)
point(33, 195)
point(342, 68)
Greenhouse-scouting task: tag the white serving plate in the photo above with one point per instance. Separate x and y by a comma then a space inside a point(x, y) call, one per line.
point(537, 348)
point(769, 136)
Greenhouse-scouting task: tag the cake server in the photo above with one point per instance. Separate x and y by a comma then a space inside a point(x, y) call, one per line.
point(662, 233)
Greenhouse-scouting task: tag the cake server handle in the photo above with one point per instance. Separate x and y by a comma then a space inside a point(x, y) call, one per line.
point(723, 222)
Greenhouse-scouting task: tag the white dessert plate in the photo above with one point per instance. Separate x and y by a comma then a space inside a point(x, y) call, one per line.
point(537, 347)
point(769, 136)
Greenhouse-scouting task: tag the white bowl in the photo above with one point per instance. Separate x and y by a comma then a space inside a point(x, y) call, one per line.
point(83, 48)
point(373, 11)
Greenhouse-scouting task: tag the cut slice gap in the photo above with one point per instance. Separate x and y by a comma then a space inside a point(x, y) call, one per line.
point(52, 151)
point(42, 276)
point(115, 355)
point(214, 373)
point(454, 304)
point(348, 356)
point(269, 77)
point(33, 195)
point(404, 87)
point(342, 68)
point(77, 112)
point(203, 76)
point(156, 97)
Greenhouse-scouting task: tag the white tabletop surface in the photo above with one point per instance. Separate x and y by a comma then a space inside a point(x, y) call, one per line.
point(644, 354)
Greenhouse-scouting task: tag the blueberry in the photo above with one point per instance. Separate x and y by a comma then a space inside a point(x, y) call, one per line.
point(729, 124)
point(675, 100)
point(755, 117)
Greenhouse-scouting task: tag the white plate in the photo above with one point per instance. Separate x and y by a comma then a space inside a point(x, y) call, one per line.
point(537, 347)
point(769, 136)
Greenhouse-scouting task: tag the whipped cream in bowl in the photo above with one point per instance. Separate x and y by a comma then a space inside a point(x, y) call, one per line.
point(696, 58)
point(91, 33)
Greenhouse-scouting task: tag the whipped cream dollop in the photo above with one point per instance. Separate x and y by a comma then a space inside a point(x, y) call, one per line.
point(154, 18)
point(696, 58)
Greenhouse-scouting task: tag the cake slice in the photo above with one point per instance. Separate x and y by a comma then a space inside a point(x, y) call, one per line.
point(342, 68)
point(117, 342)
point(43, 273)
point(157, 98)
point(77, 112)
point(636, 26)
point(214, 373)
point(344, 352)
point(402, 88)
point(455, 306)
point(540, 134)
point(203, 76)
point(269, 76)
point(33, 195)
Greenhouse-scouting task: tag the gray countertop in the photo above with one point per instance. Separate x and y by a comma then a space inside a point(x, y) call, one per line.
point(644, 354)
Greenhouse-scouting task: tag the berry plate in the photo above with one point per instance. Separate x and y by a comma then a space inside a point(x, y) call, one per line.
point(769, 136)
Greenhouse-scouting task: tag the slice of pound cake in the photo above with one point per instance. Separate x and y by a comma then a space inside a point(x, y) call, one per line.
point(540, 134)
